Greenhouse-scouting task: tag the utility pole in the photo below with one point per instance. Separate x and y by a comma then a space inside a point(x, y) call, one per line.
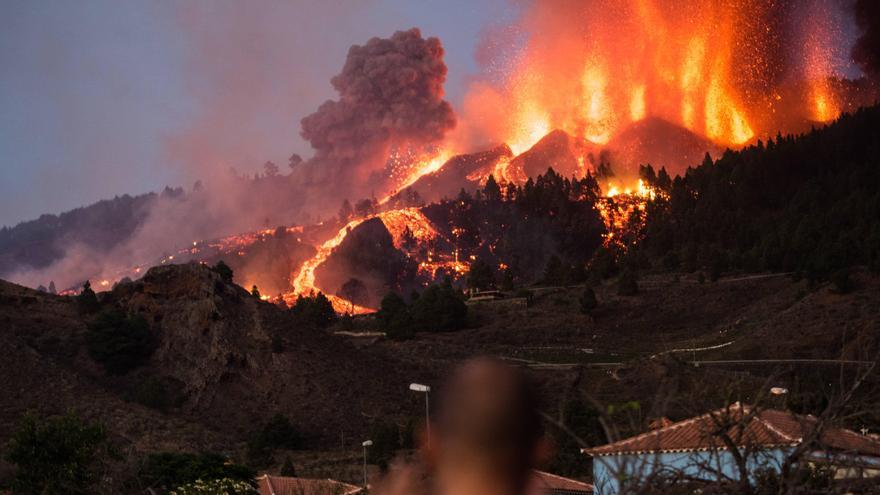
point(366, 444)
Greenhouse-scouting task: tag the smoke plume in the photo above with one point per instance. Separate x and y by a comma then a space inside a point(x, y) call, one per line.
point(390, 92)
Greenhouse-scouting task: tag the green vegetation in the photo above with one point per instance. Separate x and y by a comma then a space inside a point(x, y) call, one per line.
point(87, 300)
point(167, 470)
point(354, 291)
point(394, 317)
point(224, 271)
point(805, 204)
point(58, 454)
point(277, 433)
point(588, 301)
point(578, 427)
point(222, 486)
point(525, 226)
point(314, 310)
point(439, 308)
point(119, 342)
point(388, 438)
point(480, 276)
point(287, 469)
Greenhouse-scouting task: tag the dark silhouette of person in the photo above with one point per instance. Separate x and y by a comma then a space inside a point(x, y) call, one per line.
point(486, 439)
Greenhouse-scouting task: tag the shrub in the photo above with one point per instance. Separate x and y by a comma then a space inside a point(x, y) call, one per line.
point(314, 310)
point(118, 342)
point(588, 300)
point(287, 469)
point(440, 308)
point(528, 295)
point(87, 300)
point(222, 486)
point(395, 318)
point(224, 271)
point(387, 439)
point(59, 454)
point(277, 433)
point(480, 276)
point(166, 470)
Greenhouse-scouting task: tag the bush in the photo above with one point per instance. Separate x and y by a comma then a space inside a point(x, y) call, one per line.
point(588, 301)
point(287, 469)
point(224, 271)
point(440, 308)
point(118, 342)
point(480, 276)
point(395, 318)
point(222, 486)
point(526, 294)
point(87, 300)
point(277, 433)
point(314, 310)
point(166, 470)
point(60, 454)
point(387, 439)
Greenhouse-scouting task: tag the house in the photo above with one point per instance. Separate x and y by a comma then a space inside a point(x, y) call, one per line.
point(551, 484)
point(284, 485)
point(700, 448)
point(542, 484)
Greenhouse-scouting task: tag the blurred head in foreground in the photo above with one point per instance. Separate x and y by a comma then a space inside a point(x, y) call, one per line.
point(486, 438)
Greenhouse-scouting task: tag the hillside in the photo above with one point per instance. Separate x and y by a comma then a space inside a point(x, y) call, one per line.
point(229, 360)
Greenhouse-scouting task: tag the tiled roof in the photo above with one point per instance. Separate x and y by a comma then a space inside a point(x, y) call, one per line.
point(552, 484)
point(283, 485)
point(745, 426)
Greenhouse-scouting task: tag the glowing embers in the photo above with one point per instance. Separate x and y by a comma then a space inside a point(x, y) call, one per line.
point(622, 209)
point(725, 123)
point(598, 111)
point(406, 168)
point(408, 225)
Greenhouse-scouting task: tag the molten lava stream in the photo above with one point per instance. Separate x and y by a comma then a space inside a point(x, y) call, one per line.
point(304, 281)
point(396, 221)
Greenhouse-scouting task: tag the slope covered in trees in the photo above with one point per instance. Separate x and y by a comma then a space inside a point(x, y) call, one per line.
point(808, 204)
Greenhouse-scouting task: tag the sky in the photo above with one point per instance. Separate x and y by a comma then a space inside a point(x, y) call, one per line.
point(104, 97)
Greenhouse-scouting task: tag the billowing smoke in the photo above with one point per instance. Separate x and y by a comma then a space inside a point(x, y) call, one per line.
point(390, 93)
point(866, 51)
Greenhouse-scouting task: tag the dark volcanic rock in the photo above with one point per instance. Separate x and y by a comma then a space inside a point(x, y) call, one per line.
point(660, 143)
point(460, 171)
point(556, 150)
point(367, 253)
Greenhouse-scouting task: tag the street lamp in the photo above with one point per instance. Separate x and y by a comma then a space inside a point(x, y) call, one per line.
point(418, 387)
point(368, 443)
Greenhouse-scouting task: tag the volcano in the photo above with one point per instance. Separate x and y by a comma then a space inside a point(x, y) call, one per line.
point(660, 143)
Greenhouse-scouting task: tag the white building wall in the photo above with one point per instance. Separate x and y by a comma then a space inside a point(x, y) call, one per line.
point(615, 474)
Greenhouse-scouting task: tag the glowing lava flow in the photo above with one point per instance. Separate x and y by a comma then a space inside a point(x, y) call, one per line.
point(398, 222)
point(304, 282)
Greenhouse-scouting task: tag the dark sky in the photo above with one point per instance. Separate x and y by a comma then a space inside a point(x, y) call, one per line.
point(101, 97)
